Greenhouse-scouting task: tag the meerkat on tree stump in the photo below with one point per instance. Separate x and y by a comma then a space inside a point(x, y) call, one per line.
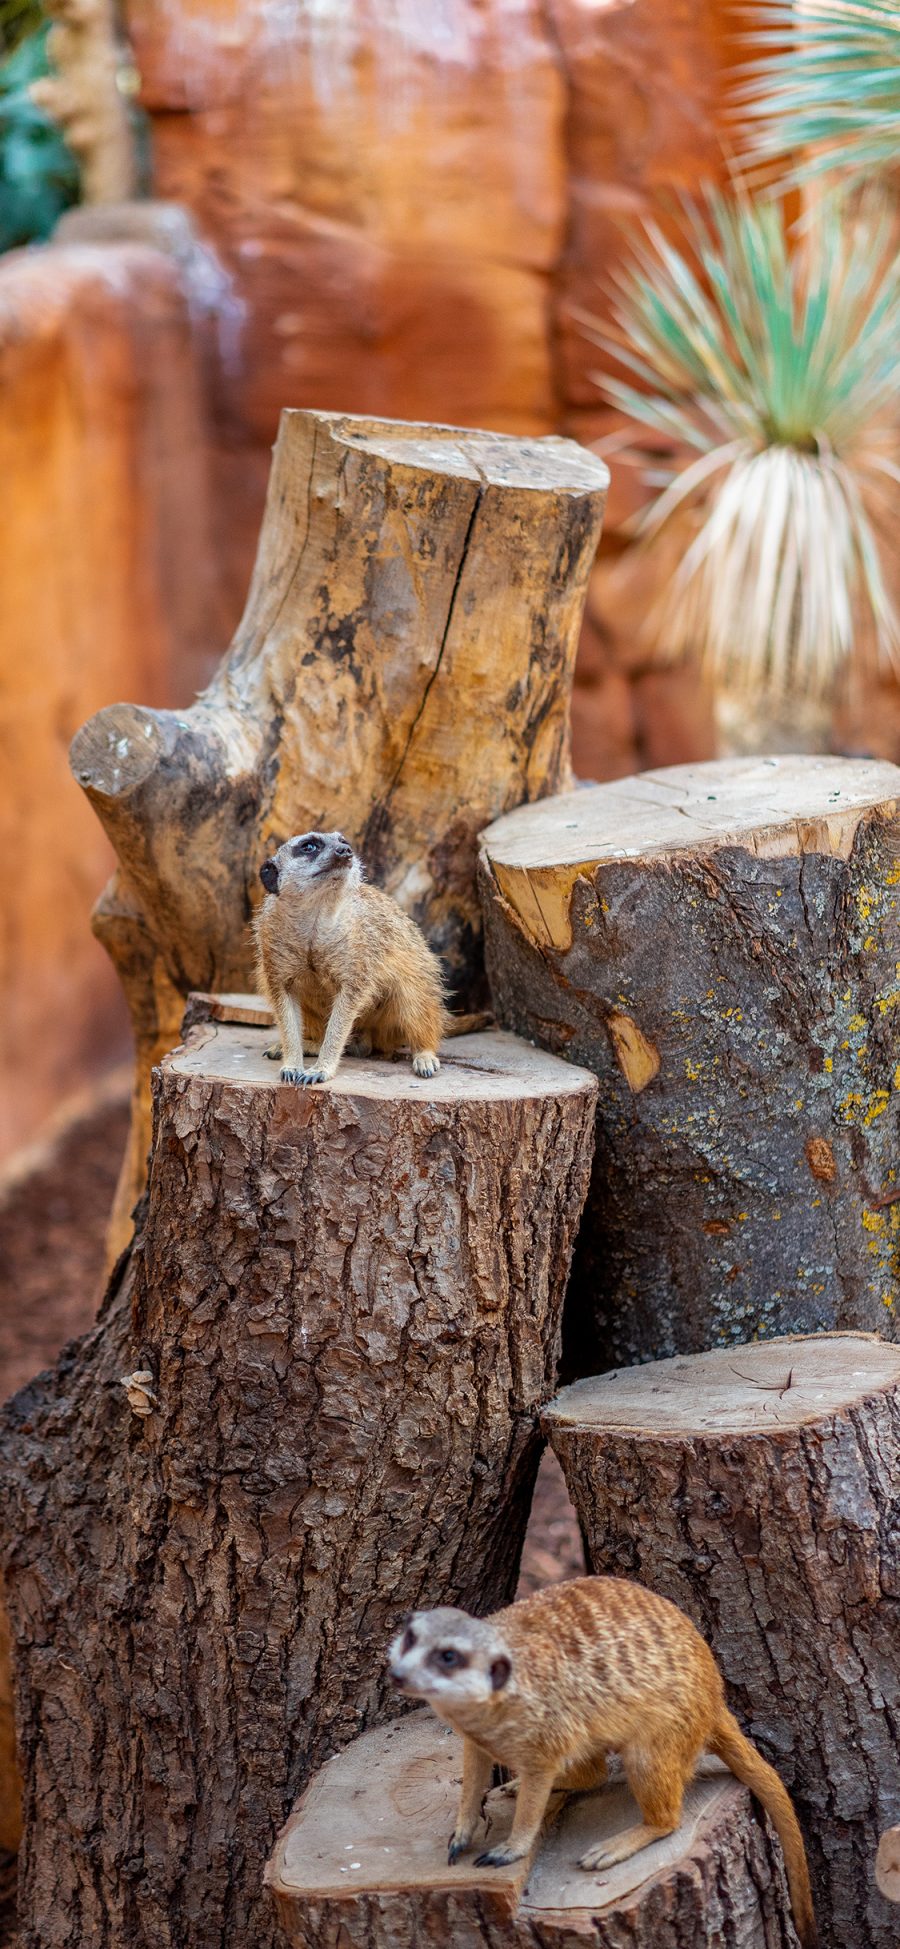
point(402, 672)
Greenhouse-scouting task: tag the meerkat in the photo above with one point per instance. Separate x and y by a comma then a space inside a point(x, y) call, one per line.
point(336, 957)
point(551, 1685)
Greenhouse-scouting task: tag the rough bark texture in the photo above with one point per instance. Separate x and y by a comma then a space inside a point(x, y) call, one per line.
point(362, 1864)
point(348, 1301)
point(756, 1487)
point(402, 672)
point(720, 943)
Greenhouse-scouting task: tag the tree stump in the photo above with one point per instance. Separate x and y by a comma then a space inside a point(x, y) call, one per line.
point(339, 1317)
point(757, 1488)
point(721, 944)
point(362, 1864)
point(402, 672)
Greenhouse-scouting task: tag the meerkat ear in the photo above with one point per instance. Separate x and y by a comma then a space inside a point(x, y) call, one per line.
point(501, 1670)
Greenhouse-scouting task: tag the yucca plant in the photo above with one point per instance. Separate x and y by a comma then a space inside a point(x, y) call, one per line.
point(775, 374)
point(824, 80)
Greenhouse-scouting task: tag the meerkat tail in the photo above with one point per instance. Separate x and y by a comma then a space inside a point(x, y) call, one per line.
point(481, 1018)
point(741, 1757)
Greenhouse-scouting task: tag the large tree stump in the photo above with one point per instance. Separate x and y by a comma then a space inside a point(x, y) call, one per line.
point(362, 1864)
point(757, 1488)
point(402, 672)
point(721, 944)
point(343, 1311)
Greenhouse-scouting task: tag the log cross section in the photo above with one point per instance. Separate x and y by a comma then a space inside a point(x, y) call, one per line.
point(721, 944)
point(343, 1309)
point(757, 1487)
point(362, 1864)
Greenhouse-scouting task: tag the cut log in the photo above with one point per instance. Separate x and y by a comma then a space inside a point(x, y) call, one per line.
point(337, 1324)
point(756, 1487)
point(362, 1864)
point(402, 672)
point(721, 944)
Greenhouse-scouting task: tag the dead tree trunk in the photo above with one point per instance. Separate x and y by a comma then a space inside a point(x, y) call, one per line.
point(757, 1488)
point(340, 1316)
point(362, 1864)
point(402, 672)
point(720, 943)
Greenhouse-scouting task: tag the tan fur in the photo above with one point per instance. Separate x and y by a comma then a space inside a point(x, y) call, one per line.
point(553, 1684)
point(338, 958)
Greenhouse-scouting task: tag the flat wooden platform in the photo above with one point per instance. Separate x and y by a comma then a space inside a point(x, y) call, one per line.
point(377, 1819)
point(489, 1067)
point(735, 1390)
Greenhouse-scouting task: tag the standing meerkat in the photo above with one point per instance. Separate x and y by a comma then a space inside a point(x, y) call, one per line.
point(551, 1685)
point(335, 956)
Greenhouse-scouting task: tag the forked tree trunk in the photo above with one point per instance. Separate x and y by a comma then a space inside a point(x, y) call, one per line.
point(720, 943)
point(402, 672)
point(757, 1488)
point(362, 1864)
point(340, 1316)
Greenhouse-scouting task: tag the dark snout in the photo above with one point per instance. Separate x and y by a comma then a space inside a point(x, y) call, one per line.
point(268, 873)
point(343, 851)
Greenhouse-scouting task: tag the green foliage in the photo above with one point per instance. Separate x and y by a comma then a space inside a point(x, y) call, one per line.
point(826, 79)
point(38, 174)
point(778, 372)
point(18, 18)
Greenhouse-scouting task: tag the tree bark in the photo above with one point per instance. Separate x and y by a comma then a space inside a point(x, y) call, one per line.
point(756, 1487)
point(340, 1316)
point(402, 672)
point(720, 943)
point(362, 1864)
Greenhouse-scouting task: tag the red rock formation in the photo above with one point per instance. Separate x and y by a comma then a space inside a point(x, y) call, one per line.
point(101, 568)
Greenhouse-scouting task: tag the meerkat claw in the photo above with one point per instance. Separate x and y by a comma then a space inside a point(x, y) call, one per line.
point(273, 1054)
point(458, 1844)
point(498, 1857)
point(426, 1064)
point(312, 1076)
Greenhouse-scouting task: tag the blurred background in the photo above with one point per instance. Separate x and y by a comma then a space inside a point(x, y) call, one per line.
point(665, 226)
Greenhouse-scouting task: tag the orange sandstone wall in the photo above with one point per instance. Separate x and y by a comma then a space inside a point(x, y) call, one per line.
point(412, 201)
point(102, 579)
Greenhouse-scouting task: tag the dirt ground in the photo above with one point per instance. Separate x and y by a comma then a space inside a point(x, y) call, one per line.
point(52, 1223)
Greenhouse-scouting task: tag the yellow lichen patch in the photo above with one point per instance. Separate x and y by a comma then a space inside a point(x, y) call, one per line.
point(888, 1001)
point(892, 878)
point(873, 1220)
point(870, 943)
point(829, 1064)
point(692, 1070)
point(856, 1024)
point(864, 903)
point(877, 1105)
point(637, 1057)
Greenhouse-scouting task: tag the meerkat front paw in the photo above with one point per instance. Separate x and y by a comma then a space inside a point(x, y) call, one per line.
point(425, 1063)
point(459, 1843)
point(303, 1076)
point(500, 1857)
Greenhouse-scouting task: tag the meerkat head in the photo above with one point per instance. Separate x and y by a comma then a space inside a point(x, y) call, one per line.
point(450, 1659)
point(311, 861)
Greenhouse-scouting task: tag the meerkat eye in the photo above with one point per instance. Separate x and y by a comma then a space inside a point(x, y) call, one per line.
point(409, 1639)
point(448, 1657)
point(307, 846)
